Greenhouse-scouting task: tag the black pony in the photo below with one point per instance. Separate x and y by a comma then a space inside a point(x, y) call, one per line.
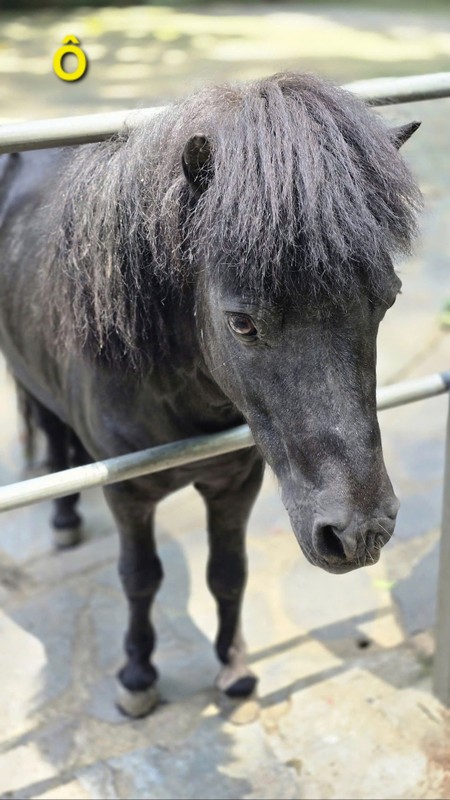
point(229, 260)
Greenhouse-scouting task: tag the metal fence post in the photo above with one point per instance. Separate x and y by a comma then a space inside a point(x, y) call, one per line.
point(441, 669)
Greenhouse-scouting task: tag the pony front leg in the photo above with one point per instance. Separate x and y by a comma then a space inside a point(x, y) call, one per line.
point(141, 575)
point(229, 504)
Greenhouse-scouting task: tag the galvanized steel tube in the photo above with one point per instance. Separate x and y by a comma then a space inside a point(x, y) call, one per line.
point(43, 133)
point(175, 454)
point(38, 134)
point(131, 465)
point(389, 91)
point(400, 394)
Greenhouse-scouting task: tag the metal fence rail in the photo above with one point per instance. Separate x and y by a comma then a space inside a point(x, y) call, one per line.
point(176, 454)
point(98, 127)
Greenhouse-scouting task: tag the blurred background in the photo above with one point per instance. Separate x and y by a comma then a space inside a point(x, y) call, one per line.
point(150, 53)
point(345, 708)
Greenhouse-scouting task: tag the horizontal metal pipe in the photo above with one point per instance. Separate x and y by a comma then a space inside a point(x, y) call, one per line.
point(39, 134)
point(399, 394)
point(119, 468)
point(390, 91)
point(175, 454)
point(42, 133)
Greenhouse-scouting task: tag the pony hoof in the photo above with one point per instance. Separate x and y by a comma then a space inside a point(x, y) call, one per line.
point(243, 687)
point(236, 683)
point(136, 704)
point(66, 537)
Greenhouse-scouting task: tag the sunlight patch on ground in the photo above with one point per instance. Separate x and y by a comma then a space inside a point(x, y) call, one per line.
point(129, 54)
point(126, 36)
point(333, 40)
point(18, 31)
point(13, 62)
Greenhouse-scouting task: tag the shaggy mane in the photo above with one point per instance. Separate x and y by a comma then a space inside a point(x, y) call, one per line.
point(308, 194)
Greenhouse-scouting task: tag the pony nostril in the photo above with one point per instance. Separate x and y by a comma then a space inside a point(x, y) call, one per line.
point(329, 543)
point(393, 508)
point(358, 541)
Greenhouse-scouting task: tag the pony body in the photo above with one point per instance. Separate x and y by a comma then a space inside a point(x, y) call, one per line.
point(230, 260)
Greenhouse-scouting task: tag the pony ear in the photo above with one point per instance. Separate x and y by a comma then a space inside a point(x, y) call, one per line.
point(197, 163)
point(402, 133)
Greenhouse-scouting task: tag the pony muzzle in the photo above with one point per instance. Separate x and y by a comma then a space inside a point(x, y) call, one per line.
point(338, 548)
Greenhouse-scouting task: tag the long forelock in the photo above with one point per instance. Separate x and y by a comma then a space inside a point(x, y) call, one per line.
point(308, 192)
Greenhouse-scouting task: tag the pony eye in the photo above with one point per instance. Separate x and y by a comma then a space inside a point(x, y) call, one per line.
point(242, 325)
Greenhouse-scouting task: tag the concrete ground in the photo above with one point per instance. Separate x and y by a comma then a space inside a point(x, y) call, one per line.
point(344, 707)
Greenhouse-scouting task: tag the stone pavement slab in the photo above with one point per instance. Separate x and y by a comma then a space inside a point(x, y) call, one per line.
point(337, 677)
